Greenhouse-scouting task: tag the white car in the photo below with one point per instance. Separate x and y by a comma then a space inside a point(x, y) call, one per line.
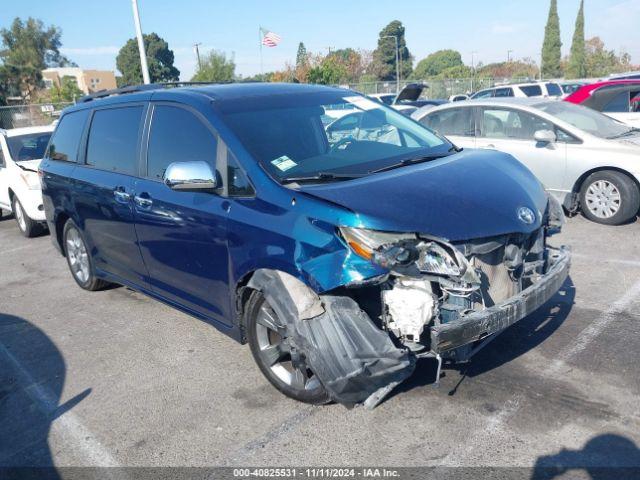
point(522, 90)
point(585, 159)
point(21, 150)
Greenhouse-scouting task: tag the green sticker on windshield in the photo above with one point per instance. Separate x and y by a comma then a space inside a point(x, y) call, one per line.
point(283, 163)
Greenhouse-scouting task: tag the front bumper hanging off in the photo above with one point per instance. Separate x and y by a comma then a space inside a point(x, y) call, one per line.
point(478, 325)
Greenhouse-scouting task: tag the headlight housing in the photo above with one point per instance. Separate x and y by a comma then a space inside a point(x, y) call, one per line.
point(555, 214)
point(405, 251)
point(31, 180)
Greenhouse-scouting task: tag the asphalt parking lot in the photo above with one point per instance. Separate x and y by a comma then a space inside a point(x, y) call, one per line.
point(114, 378)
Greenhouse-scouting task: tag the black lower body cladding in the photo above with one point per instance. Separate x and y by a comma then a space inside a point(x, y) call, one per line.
point(355, 360)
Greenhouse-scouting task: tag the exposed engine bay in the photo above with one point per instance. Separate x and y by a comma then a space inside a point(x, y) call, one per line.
point(439, 299)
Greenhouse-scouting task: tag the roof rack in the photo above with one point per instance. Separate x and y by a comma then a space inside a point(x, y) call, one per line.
point(138, 88)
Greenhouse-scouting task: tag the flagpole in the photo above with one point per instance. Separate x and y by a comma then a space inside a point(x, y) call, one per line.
point(260, 43)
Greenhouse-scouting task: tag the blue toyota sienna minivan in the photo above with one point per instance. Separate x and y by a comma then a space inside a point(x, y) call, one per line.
point(340, 239)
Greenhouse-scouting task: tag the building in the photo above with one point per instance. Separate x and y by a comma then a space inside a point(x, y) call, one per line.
point(89, 81)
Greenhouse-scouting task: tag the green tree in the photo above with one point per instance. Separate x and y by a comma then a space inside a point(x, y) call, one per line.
point(384, 57)
point(28, 47)
point(68, 91)
point(577, 68)
point(436, 63)
point(600, 62)
point(159, 58)
point(329, 72)
point(551, 47)
point(459, 71)
point(302, 58)
point(215, 67)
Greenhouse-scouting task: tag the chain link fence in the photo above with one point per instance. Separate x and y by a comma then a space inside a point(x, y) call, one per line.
point(16, 116)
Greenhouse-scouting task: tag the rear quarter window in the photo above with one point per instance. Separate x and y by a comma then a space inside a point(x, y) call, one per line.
point(65, 142)
point(113, 139)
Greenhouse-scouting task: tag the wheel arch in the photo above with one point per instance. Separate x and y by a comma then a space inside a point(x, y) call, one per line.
point(60, 221)
point(580, 181)
point(244, 289)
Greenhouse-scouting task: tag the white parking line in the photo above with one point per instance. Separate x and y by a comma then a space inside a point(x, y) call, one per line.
point(511, 406)
point(595, 328)
point(74, 434)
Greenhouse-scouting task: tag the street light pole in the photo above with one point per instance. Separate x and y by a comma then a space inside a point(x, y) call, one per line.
point(143, 55)
point(195, 46)
point(473, 68)
point(397, 62)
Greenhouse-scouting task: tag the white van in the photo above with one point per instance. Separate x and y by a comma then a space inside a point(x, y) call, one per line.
point(522, 90)
point(21, 150)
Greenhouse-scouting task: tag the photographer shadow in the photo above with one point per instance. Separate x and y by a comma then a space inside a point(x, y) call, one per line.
point(32, 376)
point(604, 457)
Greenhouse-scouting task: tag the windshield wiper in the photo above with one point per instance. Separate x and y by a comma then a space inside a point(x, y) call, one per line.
point(412, 161)
point(323, 176)
point(624, 134)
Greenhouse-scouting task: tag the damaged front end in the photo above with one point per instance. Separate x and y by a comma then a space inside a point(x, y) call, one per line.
point(440, 299)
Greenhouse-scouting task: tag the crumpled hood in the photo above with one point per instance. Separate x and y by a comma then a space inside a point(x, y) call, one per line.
point(469, 195)
point(30, 164)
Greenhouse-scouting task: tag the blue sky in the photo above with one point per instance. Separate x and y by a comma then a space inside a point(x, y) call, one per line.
point(93, 32)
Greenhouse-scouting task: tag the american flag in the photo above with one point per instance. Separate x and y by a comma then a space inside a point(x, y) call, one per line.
point(270, 39)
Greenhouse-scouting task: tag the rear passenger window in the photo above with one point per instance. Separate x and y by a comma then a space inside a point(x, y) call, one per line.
point(503, 92)
point(619, 104)
point(454, 121)
point(113, 139)
point(554, 90)
point(532, 90)
point(65, 141)
point(177, 135)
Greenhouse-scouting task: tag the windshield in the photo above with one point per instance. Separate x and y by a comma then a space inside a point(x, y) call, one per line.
point(585, 119)
point(329, 134)
point(28, 147)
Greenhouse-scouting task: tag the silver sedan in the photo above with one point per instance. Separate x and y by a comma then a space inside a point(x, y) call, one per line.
point(585, 159)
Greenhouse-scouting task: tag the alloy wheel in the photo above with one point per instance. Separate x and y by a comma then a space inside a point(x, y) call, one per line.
point(19, 213)
point(278, 354)
point(78, 257)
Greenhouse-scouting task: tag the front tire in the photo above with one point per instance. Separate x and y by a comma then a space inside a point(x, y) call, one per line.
point(277, 357)
point(78, 258)
point(610, 198)
point(27, 227)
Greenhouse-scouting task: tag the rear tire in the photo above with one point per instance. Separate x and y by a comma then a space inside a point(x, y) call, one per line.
point(609, 198)
point(78, 258)
point(272, 352)
point(27, 227)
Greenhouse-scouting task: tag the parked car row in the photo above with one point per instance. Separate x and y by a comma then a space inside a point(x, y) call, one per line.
point(311, 241)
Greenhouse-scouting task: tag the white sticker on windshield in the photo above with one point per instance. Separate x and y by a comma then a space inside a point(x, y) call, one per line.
point(362, 102)
point(283, 163)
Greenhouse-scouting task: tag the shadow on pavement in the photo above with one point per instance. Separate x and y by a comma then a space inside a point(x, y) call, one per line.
point(32, 375)
point(604, 457)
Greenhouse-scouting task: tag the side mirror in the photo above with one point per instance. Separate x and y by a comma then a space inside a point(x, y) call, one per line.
point(190, 177)
point(545, 136)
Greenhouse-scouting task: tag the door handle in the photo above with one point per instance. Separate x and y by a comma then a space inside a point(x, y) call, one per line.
point(121, 196)
point(143, 201)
